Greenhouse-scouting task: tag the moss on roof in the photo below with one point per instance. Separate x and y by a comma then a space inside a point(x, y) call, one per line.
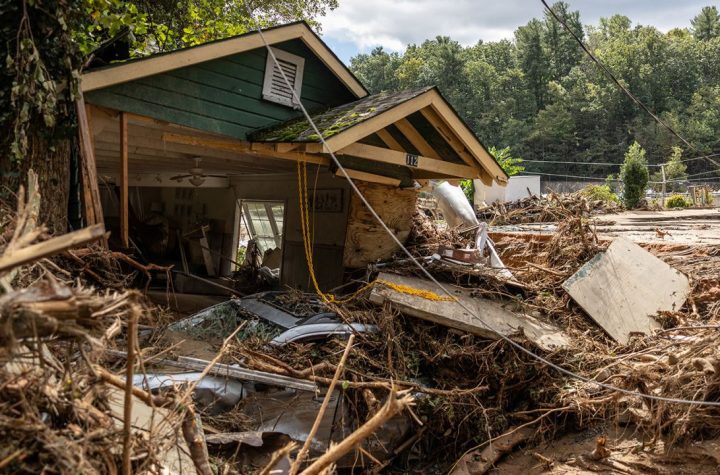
point(335, 120)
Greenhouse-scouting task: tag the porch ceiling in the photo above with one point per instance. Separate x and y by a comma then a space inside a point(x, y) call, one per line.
point(150, 150)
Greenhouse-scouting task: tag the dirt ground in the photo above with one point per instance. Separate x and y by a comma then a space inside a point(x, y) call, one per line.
point(572, 454)
point(688, 226)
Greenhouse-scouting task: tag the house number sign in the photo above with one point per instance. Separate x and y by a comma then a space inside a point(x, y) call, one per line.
point(411, 160)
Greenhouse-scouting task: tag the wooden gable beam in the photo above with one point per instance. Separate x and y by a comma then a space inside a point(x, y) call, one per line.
point(394, 157)
point(389, 140)
point(238, 146)
point(417, 140)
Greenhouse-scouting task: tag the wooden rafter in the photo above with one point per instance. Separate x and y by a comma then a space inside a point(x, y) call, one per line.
point(420, 162)
point(390, 141)
point(447, 134)
point(417, 140)
point(369, 177)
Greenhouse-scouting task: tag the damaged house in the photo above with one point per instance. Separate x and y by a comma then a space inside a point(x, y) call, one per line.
point(193, 153)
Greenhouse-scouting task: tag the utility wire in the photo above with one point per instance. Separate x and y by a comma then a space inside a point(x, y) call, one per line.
point(424, 271)
point(627, 92)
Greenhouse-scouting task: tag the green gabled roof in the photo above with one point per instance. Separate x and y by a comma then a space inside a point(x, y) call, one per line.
point(335, 120)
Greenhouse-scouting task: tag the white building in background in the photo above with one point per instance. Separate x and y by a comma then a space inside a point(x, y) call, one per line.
point(518, 187)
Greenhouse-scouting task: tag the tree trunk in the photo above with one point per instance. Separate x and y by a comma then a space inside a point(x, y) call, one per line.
point(52, 165)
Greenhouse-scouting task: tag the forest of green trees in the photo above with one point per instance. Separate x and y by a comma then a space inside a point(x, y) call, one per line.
point(543, 97)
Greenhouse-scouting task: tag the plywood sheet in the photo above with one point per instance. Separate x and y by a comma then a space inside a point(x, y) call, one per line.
point(485, 316)
point(624, 287)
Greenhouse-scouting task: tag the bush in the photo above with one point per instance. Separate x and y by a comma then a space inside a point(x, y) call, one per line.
point(600, 193)
point(634, 175)
point(677, 201)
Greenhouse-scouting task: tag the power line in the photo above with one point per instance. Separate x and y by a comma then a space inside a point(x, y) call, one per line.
point(570, 176)
point(627, 92)
point(425, 272)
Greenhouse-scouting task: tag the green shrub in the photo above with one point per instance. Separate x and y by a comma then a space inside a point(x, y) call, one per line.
point(634, 175)
point(600, 193)
point(677, 201)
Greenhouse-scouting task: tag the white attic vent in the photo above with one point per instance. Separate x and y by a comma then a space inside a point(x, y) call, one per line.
point(275, 88)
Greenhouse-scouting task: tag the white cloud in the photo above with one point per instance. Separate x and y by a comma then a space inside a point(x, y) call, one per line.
point(395, 23)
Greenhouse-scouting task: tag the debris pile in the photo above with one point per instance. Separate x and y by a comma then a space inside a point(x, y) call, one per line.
point(554, 207)
point(394, 376)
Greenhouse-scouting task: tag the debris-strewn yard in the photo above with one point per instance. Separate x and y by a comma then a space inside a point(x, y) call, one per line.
point(391, 375)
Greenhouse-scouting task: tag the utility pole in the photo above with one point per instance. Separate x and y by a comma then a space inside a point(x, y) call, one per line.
point(662, 169)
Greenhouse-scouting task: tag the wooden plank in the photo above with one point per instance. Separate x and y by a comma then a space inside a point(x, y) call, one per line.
point(385, 155)
point(244, 147)
point(124, 189)
point(485, 314)
point(390, 141)
point(51, 247)
point(369, 177)
point(88, 167)
point(624, 287)
point(417, 140)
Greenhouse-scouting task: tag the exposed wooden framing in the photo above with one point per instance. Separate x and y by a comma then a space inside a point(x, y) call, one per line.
point(447, 134)
point(369, 177)
point(162, 63)
point(380, 121)
point(124, 189)
point(379, 154)
point(286, 147)
point(88, 167)
point(417, 140)
point(238, 146)
point(470, 141)
point(390, 141)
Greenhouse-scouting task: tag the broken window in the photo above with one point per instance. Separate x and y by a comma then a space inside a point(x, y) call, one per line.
point(264, 221)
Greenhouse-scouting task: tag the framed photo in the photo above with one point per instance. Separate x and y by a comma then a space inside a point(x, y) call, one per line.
point(328, 200)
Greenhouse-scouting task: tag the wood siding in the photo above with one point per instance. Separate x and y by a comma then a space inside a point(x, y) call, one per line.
point(223, 95)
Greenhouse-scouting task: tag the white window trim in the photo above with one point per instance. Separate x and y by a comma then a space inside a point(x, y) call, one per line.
point(298, 61)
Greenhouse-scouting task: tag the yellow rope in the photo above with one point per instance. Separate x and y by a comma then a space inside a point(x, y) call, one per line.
point(406, 289)
point(304, 199)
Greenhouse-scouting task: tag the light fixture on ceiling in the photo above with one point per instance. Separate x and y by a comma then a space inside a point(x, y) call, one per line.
point(196, 175)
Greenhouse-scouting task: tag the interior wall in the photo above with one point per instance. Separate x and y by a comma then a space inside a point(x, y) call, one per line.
point(181, 209)
point(329, 224)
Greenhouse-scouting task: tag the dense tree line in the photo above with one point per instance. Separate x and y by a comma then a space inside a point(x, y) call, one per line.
point(541, 95)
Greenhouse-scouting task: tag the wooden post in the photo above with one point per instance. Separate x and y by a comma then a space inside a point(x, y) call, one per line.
point(88, 167)
point(662, 169)
point(124, 195)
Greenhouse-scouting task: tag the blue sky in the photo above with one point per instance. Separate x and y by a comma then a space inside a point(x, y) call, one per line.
point(359, 25)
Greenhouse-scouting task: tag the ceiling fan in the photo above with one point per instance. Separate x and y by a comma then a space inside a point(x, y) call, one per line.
point(196, 175)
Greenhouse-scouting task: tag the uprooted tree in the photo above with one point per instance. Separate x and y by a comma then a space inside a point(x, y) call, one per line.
point(46, 43)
